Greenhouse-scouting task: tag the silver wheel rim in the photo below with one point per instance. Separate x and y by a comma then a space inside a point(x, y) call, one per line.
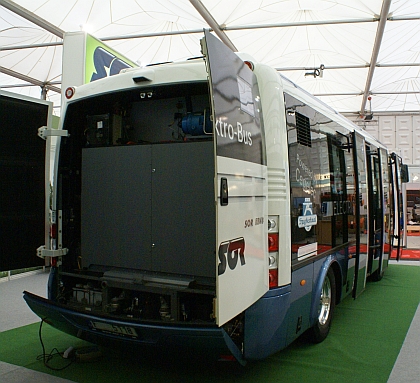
point(325, 302)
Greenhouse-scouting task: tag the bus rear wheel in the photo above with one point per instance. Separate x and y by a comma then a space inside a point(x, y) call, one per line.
point(319, 331)
point(376, 276)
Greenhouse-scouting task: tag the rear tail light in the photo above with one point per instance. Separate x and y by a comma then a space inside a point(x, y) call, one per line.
point(227, 358)
point(273, 249)
point(273, 278)
point(273, 242)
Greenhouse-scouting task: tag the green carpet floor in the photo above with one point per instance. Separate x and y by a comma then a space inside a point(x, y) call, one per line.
point(363, 344)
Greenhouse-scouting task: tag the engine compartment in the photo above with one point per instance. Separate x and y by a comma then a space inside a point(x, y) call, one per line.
point(138, 295)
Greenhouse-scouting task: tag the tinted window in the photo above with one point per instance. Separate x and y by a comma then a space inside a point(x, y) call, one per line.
point(321, 179)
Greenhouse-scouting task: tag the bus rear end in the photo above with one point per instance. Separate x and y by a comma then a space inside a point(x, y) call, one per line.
point(135, 210)
point(148, 235)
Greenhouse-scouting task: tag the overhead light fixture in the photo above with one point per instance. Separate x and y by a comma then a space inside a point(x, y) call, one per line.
point(369, 115)
point(317, 72)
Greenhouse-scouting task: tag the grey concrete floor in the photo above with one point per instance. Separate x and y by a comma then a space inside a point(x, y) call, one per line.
point(15, 313)
point(18, 312)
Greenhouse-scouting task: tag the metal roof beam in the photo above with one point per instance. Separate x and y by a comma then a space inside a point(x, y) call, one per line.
point(31, 46)
point(152, 34)
point(360, 93)
point(300, 68)
point(301, 24)
point(11, 86)
point(375, 52)
point(26, 78)
point(404, 18)
point(361, 66)
point(12, 6)
point(208, 17)
point(318, 23)
point(233, 28)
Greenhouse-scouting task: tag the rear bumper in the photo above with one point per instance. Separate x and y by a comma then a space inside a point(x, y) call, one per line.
point(204, 339)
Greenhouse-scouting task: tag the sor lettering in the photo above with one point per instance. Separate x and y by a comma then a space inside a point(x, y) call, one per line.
point(224, 129)
point(106, 64)
point(229, 253)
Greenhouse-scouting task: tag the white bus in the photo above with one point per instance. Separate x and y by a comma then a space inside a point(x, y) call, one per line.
point(211, 206)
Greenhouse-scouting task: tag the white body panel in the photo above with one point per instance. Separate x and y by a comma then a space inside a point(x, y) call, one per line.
point(242, 275)
point(241, 284)
point(272, 102)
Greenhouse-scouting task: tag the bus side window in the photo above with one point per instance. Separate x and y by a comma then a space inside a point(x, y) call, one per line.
point(321, 178)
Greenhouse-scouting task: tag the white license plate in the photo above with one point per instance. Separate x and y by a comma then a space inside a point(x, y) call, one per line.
point(115, 329)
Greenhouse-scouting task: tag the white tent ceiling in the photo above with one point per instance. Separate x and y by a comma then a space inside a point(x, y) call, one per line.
point(368, 47)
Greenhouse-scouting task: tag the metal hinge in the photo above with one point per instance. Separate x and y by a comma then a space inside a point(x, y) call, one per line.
point(45, 132)
point(42, 252)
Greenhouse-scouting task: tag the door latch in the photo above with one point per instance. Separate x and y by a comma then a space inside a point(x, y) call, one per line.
point(224, 197)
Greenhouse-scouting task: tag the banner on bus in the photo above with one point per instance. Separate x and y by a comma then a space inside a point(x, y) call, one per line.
point(86, 59)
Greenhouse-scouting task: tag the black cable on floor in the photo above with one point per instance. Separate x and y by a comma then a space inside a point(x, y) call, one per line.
point(46, 358)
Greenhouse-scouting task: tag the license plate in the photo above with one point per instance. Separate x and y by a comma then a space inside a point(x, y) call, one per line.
point(115, 329)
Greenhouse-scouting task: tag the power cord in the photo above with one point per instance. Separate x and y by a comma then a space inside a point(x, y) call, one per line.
point(46, 358)
point(71, 355)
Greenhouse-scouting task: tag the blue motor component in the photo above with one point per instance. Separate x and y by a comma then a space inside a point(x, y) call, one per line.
point(193, 123)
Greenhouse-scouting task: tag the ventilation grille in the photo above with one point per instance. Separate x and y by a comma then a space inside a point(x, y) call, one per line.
point(303, 128)
point(277, 184)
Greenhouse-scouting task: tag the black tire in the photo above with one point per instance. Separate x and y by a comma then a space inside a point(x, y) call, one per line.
point(327, 300)
point(376, 276)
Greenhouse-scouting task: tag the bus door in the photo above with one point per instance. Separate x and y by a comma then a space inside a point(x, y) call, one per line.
point(240, 181)
point(397, 204)
point(375, 208)
point(386, 200)
point(361, 213)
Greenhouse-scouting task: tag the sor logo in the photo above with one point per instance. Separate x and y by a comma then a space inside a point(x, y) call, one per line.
point(103, 59)
point(229, 252)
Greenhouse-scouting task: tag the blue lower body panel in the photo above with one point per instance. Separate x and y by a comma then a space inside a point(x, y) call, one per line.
point(103, 330)
point(266, 323)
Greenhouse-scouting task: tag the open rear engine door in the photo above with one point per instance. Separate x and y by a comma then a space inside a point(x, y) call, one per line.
point(240, 181)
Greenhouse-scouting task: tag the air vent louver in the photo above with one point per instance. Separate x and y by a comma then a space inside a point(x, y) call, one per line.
point(303, 128)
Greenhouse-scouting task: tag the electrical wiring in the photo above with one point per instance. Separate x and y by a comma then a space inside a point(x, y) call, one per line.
point(84, 354)
point(47, 358)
